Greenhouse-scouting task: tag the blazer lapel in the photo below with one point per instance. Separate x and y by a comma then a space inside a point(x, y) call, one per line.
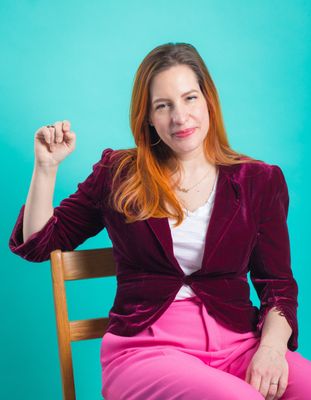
point(226, 206)
point(162, 231)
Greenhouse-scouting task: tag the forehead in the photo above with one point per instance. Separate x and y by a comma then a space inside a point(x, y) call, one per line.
point(176, 79)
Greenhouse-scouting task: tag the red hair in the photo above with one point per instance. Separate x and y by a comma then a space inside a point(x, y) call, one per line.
point(141, 177)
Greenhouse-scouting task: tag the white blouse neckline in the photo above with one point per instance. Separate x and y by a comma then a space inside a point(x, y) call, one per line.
point(206, 203)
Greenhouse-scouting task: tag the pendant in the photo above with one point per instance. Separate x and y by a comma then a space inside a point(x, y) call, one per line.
point(183, 190)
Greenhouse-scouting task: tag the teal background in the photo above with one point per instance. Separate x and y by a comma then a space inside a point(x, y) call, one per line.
point(76, 60)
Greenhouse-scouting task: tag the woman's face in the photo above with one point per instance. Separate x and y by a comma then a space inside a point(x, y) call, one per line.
point(177, 105)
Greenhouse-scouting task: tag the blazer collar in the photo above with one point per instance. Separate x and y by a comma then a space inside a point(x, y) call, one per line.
point(226, 205)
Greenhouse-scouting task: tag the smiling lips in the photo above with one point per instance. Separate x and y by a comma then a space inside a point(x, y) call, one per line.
point(186, 132)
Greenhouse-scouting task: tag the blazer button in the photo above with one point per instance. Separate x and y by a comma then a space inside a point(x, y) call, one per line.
point(187, 280)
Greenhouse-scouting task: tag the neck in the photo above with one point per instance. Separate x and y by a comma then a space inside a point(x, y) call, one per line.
point(194, 163)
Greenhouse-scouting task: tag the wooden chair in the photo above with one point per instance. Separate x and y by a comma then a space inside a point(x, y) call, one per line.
point(67, 266)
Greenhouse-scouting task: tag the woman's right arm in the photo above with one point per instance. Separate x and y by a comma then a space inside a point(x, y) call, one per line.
point(79, 216)
point(52, 145)
point(39, 203)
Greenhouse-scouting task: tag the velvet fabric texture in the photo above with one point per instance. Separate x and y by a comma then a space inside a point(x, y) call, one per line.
point(247, 233)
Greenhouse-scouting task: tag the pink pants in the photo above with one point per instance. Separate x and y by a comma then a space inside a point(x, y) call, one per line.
point(187, 355)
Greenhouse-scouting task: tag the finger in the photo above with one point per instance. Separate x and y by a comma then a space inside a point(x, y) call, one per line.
point(283, 382)
point(43, 134)
point(46, 134)
point(51, 130)
point(272, 390)
point(58, 132)
point(255, 381)
point(66, 126)
point(265, 387)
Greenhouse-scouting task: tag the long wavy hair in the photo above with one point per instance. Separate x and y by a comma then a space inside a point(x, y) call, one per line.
point(141, 176)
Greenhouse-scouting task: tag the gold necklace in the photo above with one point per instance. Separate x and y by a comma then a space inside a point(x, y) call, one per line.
point(181, 189)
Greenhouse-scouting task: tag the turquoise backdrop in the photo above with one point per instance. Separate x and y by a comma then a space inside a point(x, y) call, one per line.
point(76, 60)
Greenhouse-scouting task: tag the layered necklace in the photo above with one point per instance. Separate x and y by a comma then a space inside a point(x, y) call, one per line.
point(184, 190)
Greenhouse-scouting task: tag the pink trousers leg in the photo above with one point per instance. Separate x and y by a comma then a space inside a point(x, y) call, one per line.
point(187, 355)
point(172, 375)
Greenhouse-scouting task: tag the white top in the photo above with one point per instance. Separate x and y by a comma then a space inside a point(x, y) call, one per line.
point(189, 240)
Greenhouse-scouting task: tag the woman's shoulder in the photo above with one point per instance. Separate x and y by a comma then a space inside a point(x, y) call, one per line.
point(255, 168)
point(256, 172)
point(110, 156)
point(114, 163)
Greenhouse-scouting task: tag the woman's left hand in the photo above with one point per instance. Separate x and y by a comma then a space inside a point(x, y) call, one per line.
point(267, 366)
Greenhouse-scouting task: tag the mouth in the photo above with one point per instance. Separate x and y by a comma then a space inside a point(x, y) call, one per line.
point(184, 133)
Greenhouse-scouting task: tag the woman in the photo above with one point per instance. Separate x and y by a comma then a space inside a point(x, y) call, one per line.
point(188, 218)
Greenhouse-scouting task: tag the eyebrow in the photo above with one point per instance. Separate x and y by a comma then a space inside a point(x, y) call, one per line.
point(162, 99)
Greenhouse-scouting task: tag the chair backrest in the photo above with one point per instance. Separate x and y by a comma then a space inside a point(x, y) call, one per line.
point(68, 266)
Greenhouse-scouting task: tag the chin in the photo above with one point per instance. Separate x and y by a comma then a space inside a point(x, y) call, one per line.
point(189, 148)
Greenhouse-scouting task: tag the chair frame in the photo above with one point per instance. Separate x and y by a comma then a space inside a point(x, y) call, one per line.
point(69, 266)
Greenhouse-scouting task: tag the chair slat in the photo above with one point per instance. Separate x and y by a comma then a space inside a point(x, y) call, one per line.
point(84, 264)
point(88, 329)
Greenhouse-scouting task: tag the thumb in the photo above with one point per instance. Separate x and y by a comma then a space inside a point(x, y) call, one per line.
point(70, 136)
point(70, 140)
point(247, 375)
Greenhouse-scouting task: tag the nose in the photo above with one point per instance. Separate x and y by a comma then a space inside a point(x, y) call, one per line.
point(179, 115)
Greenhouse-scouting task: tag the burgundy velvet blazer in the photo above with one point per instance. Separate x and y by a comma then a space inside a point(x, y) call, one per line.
point(247, 232)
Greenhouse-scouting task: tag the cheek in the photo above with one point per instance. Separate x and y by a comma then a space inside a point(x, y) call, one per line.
point(162, 126)
point(204, 117)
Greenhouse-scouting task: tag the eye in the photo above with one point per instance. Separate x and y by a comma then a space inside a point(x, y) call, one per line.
point(163, 105)
point(160, 106)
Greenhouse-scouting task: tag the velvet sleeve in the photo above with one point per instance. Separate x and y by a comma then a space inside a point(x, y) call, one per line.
point(270, 261)
point(77, 218)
